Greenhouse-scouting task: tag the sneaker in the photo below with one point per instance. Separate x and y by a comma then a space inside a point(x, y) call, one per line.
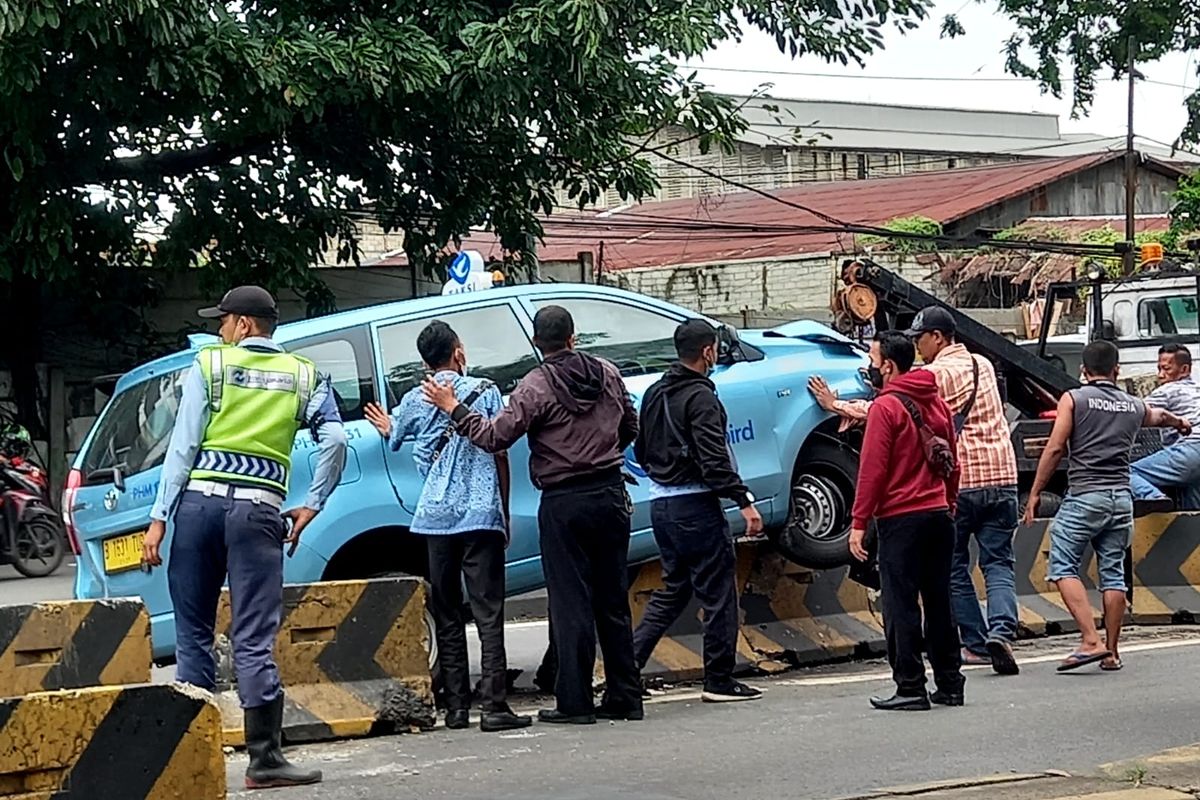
point(735, 692)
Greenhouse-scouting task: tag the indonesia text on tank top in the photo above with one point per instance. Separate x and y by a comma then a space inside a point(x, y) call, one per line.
point(1107, 421)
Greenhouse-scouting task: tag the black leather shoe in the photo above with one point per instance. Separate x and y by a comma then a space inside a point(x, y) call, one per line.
point(902, 703)
point(494, 721)
point(457, 720)
point(633, 714)
point(556, 717)
point(946, 698)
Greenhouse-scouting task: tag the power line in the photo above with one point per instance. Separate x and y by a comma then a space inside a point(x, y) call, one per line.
point(910, 78)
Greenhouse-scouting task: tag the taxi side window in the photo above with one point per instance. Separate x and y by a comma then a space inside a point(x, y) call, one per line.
point(496, 345)
point(345, 357)
point(639, 341)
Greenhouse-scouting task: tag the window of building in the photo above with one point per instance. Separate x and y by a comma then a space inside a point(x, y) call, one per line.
point(951, 163)
point(639, 341)
point(845, 167)
point(862, 166)
point(496, 344)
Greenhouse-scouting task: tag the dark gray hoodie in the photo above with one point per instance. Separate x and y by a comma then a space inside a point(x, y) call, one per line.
point(578, 415)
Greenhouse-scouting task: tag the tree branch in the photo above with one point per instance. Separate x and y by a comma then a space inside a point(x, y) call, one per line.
point(177, 163)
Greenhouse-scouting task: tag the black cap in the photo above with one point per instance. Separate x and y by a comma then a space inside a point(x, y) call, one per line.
point(932, 318)
point(246, 301)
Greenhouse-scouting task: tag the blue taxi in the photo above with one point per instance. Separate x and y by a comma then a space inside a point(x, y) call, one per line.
point(788, 450)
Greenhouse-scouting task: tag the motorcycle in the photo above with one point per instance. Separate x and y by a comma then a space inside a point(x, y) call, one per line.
point(32, 536)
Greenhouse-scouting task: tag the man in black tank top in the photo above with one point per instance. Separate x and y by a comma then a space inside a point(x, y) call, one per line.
point(1095, 428)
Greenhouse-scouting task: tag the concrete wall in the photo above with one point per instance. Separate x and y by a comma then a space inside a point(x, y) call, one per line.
point(770, 289)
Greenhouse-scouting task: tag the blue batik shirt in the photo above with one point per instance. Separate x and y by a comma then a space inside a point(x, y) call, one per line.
point(462, 488)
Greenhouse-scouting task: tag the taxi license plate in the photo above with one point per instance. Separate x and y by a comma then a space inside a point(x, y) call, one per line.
point(123, 553)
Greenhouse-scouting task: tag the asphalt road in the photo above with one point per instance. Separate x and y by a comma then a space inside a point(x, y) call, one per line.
point(16, 588)
point(812, 736)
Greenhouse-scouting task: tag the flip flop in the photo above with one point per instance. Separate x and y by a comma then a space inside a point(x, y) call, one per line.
point(1113, 667)
point(1077, 660)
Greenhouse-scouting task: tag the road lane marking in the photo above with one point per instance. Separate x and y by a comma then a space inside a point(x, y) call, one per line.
point(886, 675)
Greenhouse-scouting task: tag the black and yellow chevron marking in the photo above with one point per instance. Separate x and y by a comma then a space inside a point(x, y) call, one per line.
point(792, 615)
point(73, 644)
point(131, 743)
point(342, 649)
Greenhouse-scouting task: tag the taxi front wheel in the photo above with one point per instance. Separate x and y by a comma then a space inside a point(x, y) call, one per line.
point(817, 533)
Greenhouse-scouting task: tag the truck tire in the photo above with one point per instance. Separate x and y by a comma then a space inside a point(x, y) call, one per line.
point(817, 532)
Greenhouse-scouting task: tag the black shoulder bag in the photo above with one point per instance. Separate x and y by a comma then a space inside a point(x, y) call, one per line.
point(938, 452)
point(448, 431)
point(960, 419)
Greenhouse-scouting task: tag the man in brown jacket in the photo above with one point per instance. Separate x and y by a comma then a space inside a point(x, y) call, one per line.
point(580, 419)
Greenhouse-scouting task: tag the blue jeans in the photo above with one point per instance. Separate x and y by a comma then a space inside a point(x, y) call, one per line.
point(990, 515)
point(215, 536)
point(1176, 466)
point(1103, 519)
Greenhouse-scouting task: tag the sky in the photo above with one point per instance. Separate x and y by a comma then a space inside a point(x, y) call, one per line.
point(1158, 110)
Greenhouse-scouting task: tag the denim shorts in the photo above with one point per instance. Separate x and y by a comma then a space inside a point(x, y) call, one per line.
point(1103, 519)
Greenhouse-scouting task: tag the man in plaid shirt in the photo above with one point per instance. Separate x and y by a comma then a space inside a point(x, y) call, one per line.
point(987, 501)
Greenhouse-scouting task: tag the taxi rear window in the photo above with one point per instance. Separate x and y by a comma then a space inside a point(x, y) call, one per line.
point(135, 428)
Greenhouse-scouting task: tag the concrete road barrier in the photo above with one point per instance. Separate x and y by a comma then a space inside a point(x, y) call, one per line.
point(793, 616)
point(73, 644)
point(790, 616)
point(353, 657)
point(131, 743)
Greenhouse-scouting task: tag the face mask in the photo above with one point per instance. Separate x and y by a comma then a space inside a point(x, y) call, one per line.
point(875, 377)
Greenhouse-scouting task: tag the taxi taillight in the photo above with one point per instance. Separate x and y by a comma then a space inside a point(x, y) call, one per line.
point(74, 481)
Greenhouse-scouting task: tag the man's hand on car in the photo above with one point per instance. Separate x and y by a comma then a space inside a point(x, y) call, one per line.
point(824, 396)
point(379, 418)
point(440, 394)
point(754, 521)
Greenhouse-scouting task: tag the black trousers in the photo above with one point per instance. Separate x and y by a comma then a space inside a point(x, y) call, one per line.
point(915, 553)
point(697, 558)
point(477, 558)
point(585, 552)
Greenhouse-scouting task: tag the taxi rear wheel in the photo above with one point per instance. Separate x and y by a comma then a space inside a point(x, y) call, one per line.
point(817, 533)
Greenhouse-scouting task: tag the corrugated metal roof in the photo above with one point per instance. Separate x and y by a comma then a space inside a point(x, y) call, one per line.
point(843, 125)
point(651, 234)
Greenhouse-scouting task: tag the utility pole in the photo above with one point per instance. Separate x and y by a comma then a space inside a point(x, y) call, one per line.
point(1130, 257)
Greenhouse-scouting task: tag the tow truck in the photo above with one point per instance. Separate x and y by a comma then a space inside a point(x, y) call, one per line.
point(873, 298)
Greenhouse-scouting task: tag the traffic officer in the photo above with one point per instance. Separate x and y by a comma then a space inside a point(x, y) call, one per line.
point(224, 481)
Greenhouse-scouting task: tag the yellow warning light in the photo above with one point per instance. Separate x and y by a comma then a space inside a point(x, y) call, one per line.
point(1152, 253)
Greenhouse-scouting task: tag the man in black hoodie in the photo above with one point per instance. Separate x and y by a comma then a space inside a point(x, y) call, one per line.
point(683, 449)
point(580, 419)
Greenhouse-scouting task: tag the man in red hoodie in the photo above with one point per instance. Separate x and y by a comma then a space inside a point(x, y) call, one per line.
point(911, 500)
